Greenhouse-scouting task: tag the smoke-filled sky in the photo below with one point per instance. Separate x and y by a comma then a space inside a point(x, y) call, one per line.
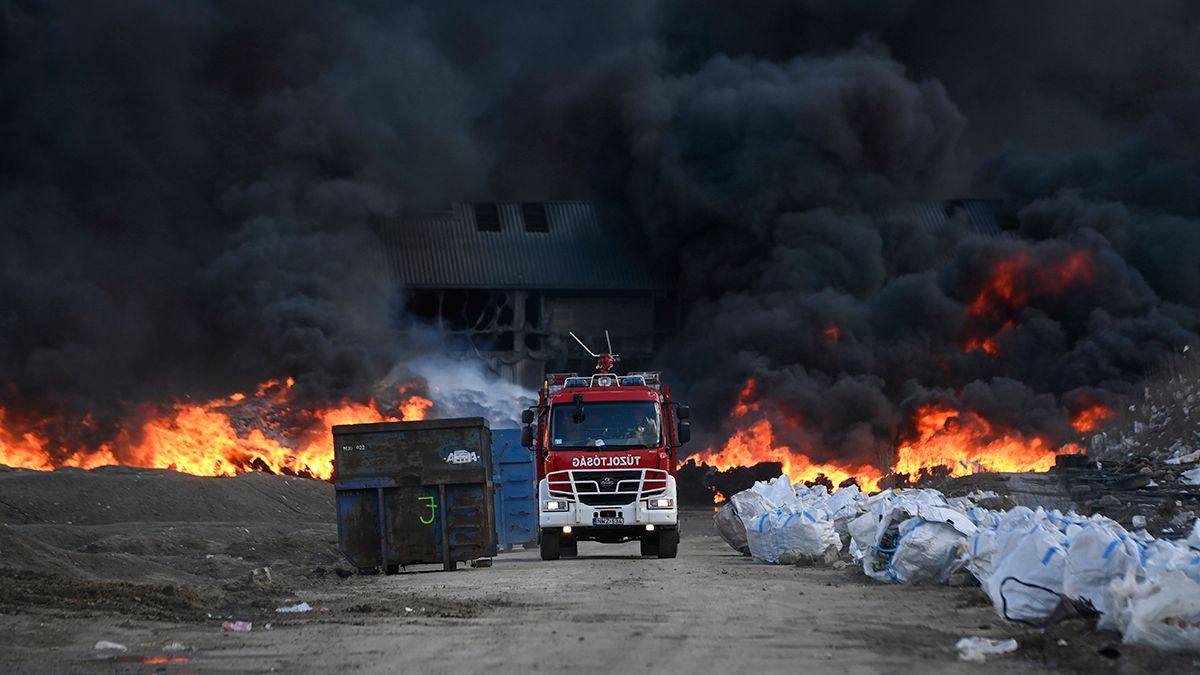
point(188, 189)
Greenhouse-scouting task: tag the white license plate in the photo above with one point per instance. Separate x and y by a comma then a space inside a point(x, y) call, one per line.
point(608, 521)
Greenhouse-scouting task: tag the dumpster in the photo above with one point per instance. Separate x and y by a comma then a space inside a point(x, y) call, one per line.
point(414, 492)
point(516, 490)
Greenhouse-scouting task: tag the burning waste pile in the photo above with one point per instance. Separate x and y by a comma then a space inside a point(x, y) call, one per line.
point(1037, 566)
point(271, 428)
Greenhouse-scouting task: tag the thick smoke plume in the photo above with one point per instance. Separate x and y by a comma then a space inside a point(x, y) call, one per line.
point(188, 193)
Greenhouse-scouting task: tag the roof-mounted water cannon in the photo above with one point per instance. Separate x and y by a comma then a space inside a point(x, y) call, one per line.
point(606, 361)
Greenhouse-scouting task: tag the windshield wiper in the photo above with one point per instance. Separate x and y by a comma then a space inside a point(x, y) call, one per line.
point(578, 416)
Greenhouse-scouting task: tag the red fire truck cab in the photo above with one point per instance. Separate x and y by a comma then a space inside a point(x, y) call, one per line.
point(606, 447)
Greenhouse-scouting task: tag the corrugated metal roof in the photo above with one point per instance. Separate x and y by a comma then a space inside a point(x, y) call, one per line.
point(982, 214)
point(446, 250)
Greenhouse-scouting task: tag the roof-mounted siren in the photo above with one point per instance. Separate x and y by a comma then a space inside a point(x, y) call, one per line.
point(604, 362)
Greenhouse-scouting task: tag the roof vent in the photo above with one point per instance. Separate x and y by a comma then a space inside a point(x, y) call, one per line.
point(534, 216)
point(487, 217)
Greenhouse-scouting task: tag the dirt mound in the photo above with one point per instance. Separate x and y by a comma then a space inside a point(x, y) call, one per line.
point(163, 527)
point(118, 494)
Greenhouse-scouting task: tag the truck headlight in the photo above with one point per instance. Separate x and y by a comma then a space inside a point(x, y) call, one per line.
point(660, 503)
point(554, 505)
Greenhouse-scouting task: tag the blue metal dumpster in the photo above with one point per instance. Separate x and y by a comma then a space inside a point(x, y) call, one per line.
point(414, 492)
point(516, 489)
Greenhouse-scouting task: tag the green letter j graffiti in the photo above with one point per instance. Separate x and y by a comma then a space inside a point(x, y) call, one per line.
point(432, 504)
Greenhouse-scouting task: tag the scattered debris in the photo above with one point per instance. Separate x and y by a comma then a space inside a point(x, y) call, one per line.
point(261, 576)
point(294, 609)
point(795, 557)
point(237, 626)
point(176, 647)
point(977, 649)
point(106, 646)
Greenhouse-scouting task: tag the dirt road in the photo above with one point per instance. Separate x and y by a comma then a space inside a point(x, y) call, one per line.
point(710, 610)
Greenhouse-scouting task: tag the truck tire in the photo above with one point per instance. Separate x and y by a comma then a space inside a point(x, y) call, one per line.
point(668, 543)
point(551, 544)
point(569, 546)
point(650, 544)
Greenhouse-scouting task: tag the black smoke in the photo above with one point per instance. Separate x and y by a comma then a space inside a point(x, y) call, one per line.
point(189, 191)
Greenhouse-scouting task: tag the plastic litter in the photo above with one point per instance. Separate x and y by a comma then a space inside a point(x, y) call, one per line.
point(106, 646)
point(1191, 477)
point(1185, 459)
point(237, 626)
point(977, 649)
point(261, 576)
point(175, 647)
point(295, 609)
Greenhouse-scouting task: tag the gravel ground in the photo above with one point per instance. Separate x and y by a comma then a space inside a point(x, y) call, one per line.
point(710, 610)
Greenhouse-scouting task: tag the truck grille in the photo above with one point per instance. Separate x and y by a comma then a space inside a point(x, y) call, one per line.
point(607, 488)
point(619, 499)
point(606, 483)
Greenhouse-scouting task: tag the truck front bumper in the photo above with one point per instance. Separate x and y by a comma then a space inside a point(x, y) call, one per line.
point(636, 512)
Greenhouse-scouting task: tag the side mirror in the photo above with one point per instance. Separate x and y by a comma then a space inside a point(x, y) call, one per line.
point(527, 416)
point(527, 437)
point(685, 412)
point(685, 432)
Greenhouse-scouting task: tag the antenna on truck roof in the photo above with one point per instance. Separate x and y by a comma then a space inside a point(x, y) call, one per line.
point(604, 362)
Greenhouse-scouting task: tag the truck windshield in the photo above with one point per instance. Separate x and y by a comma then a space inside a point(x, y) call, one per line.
point(614, 425)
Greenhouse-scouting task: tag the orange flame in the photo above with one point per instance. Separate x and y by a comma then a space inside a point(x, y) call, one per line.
point(965, 443)
point(1011, 283)
point(1089, 418)
point(756, 443)
point(961, 442)
point(221, 437)
point(833, 333)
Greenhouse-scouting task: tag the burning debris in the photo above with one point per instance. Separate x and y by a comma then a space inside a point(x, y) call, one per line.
point(261, 431)
point(270, 429)
point(944, 441)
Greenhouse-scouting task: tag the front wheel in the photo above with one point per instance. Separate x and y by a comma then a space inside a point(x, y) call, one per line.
point(668, 543)
point(551, 544)
point(650, 544)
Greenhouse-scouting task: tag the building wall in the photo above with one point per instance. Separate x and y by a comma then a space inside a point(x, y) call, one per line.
point(524, 334)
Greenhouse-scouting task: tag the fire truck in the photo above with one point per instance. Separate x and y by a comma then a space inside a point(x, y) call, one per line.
point(606, 458)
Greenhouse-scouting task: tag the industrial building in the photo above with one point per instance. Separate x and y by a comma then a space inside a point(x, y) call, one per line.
point(506, 281)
